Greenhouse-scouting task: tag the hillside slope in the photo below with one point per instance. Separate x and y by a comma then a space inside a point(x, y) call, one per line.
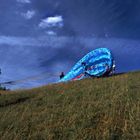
point(90, 109)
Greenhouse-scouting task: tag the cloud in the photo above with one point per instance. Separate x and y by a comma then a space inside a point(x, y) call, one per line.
point(17, 41)
point(29, 14)
point(56, 21)
point(52, 33)
point(24, 1)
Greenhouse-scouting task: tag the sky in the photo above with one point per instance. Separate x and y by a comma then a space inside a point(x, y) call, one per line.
point(38, 36)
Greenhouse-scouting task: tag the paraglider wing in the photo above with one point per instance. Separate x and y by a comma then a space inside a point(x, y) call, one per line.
point(98, 62)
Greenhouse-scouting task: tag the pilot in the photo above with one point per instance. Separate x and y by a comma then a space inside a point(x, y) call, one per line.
point(86, 68)
point(62, 75)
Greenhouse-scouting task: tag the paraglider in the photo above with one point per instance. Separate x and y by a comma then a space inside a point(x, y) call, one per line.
point(96, 63)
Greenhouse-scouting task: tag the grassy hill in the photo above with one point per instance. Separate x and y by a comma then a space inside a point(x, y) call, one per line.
point(90, 109)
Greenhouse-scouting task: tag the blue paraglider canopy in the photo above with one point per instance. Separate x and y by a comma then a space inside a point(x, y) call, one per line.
point(96, 63)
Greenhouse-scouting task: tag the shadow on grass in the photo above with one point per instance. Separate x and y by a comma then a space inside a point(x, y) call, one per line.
point(15, 102)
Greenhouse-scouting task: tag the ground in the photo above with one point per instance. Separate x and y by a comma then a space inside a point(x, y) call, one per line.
point(90, 109)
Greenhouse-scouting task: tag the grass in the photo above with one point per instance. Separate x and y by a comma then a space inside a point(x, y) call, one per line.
point(90, 109)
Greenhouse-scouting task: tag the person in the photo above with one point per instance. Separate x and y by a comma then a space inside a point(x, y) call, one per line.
point(0, 74)
point(113, 67)
point(62, 75)
point(86, 68)
point(1, 87)
point(107, 70)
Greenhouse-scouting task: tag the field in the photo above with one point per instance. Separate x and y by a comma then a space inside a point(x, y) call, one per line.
point(90, 109)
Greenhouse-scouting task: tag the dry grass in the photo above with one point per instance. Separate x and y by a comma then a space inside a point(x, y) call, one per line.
point(90, 109)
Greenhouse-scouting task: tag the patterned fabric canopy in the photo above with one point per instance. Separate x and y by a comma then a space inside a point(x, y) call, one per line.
point(95, 63)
